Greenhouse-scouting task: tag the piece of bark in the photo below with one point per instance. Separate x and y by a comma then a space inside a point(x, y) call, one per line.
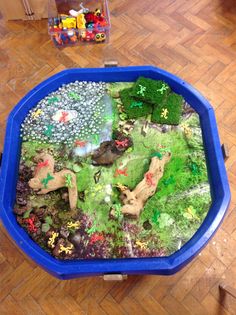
point(109, 151)
point(58, 179)
point(134, 201)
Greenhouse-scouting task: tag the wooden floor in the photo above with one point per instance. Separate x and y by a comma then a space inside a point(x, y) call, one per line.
point(193, 39)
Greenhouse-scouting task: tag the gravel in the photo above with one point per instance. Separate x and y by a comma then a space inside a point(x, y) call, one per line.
point(85, 108)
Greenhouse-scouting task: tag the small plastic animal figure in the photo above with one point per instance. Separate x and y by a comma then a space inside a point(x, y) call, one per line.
point(80, 144)
point(37, 113)
point(51, 241)
point(142, 245)
point(121, 172)
point(164, 113)
point(64, 117)
point(149, 179)
point(66, 250)
point(73, 225)
point(122, 144)
point(30, 224)
point(95, 238)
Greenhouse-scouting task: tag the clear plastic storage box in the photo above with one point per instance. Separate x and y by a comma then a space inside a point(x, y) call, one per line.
point(72, 22)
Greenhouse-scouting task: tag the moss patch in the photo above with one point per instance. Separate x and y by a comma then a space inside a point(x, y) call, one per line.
point(151, 91)
point(132, 107)
point(169, 111)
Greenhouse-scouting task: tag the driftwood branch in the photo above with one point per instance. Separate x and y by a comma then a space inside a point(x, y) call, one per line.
point(134, 201)
point(56, 180)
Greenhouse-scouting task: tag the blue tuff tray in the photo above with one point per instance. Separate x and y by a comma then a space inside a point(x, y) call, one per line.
point(220, 191)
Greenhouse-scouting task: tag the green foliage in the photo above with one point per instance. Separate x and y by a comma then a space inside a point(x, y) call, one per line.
point(165, 220)
point(27, 214)
point(31, 148)
point(195, 140)
point(180, 215)
point(151, 91)
point(115, 116)
point(132, 107)
point(116, 87)
point(117, 212)
point(48, 220)
point(169, 111)
point(84, 177)
point(45, 227)
point(47, 224)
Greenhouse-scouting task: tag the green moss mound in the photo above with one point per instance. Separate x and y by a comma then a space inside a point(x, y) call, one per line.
point(169, 111)
point(84, 178)
point(134, 108)
point(151, 91)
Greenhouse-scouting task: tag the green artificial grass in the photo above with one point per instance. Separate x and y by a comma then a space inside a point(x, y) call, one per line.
point(151, 91)
point(169, 111)
point(134, 108)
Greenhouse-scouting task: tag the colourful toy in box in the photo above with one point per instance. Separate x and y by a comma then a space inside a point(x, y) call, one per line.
point(68, 21)
point(72, 36)
point(100, 37)
point(65, 37)
point(150, 90)
point(57, 39)
point(87, 36)
point(92, 26)
point(81, 21)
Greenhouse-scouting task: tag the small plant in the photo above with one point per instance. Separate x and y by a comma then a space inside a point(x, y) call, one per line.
point(27, 213)
point(47, 224)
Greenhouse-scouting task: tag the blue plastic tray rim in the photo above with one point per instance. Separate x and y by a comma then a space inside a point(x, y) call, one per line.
point(159, 265)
